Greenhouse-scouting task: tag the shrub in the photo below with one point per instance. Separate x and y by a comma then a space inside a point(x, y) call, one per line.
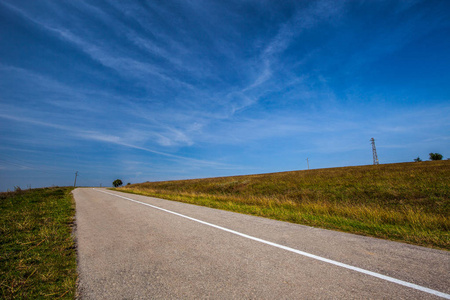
point(117, 183)
point(435, 156)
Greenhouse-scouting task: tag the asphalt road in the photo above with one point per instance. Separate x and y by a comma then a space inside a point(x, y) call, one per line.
point(130, 250)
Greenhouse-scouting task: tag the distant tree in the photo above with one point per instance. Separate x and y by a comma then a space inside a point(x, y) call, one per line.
point(435, 156)
point(128, 183)
point(417, 159)
point(117, 183)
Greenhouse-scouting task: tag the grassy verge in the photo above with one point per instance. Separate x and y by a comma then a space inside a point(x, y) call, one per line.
point(37, 253)
point(408, 202)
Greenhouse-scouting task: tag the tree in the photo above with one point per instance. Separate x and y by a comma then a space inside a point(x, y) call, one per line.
point(417, 159)
point(117, 183)
point(435, 156)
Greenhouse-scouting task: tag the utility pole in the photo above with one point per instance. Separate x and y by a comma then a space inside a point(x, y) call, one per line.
point(307, 161)
point(374, 152)
point(75, 183)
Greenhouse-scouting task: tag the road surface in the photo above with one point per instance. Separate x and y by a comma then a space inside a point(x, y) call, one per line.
point(137, 247)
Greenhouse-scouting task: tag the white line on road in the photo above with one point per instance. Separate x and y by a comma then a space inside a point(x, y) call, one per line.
point(333, 262)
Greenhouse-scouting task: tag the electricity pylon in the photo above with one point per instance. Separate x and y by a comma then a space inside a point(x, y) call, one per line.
point(374, 152)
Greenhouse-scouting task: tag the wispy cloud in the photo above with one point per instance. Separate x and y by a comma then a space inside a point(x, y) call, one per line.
point(271, 55)
point(10, 163)
point(22, 119)
point(101, 52)
point(46, 90)
point(109, 139)
point(120, 141)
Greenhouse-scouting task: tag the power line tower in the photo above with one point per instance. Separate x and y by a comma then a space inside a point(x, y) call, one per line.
point(374, 152)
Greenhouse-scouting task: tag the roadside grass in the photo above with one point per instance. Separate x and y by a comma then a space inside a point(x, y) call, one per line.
point(407, 202)
point(37, 251)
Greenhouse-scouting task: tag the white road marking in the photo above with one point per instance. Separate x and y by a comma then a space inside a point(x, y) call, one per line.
point(333, 262)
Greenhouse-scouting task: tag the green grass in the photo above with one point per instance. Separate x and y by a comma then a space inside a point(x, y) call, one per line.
point(408, 202)
point(37, 251)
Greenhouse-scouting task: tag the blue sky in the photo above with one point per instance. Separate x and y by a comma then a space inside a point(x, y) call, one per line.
point(162, 90)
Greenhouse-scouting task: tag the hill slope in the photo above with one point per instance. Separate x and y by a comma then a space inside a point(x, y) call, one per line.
point(407, 202)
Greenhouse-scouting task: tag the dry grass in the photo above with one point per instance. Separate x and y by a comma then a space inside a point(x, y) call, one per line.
point(406, 202)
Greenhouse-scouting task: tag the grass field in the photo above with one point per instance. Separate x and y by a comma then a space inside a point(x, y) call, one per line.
point(408, 202)
point(37, 253)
